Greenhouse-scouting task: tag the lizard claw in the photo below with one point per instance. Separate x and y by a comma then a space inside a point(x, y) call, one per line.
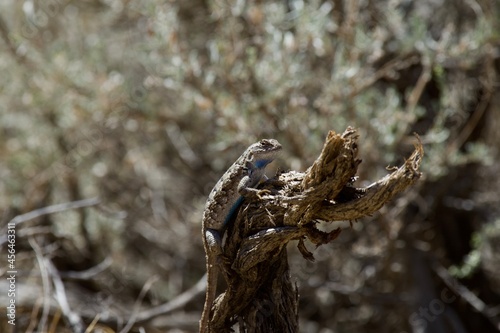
point(252, 193)
point(262, 193)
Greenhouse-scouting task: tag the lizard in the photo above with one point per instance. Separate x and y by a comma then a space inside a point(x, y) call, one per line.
point(223, 203)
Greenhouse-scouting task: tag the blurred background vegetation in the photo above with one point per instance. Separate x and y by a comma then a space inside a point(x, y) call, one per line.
point(144, 104)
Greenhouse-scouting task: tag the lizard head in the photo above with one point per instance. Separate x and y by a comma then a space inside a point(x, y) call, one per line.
point(264, 152)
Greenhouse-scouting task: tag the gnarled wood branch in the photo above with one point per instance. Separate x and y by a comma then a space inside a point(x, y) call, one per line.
point(260, 295)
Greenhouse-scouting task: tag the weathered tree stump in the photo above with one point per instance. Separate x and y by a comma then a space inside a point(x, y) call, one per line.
point(260, 294)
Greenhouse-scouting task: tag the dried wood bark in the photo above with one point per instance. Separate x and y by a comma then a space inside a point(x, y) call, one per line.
point(260, 294)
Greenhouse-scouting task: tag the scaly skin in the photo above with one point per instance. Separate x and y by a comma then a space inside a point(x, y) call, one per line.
point(223, 203)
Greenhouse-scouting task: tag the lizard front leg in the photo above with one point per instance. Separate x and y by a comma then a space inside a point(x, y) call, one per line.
point(246, 187)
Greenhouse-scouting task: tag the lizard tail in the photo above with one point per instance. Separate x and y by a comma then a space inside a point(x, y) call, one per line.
point(212, 275)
